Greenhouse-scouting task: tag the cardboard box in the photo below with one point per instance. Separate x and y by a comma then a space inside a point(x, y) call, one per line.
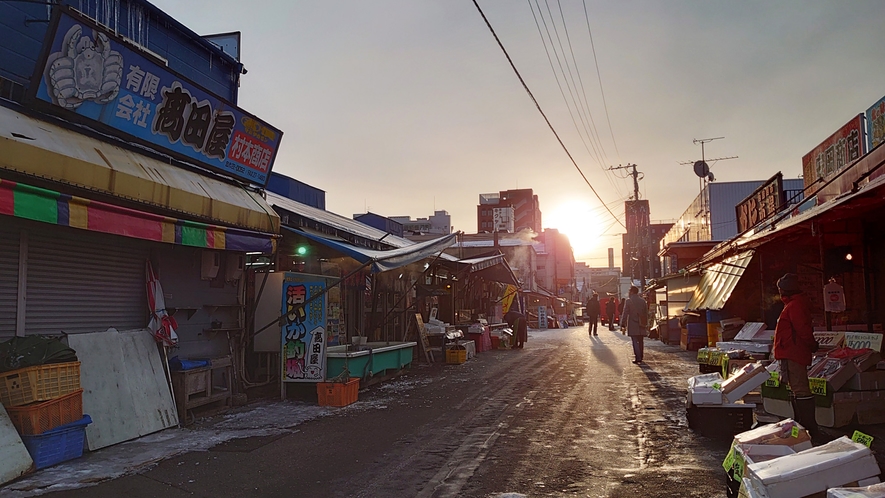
point(779, 407)
point(776, 434)
point(867, 381)
point(743, 381)
point(815, 470)
point(841, 412)
point(871, 409)
point(867, 361)
point(836, 371)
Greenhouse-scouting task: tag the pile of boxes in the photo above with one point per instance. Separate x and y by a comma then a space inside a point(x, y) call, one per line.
point(715, 406)
point(778, 461)
point(848, 385)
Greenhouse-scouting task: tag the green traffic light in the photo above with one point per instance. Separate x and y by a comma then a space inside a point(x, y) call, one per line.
point(301, 250)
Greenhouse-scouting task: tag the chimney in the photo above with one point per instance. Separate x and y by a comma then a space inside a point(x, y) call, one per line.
point(611, 258)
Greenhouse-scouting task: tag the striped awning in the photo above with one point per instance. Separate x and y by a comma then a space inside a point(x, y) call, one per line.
point(48, 206)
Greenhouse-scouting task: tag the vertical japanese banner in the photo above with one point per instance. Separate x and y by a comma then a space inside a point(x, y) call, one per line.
point(542, 317)
point(509, 294)
point(304, 331)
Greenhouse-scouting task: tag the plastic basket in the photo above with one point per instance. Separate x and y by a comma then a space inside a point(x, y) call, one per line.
point(58, 445)
point(39, 383)
point(456, 356)
point(338, 393)
point(37, 418)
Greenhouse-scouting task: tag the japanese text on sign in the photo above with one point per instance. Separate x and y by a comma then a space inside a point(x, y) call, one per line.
point(136, 96)
point(818, 386)
point(860, 437)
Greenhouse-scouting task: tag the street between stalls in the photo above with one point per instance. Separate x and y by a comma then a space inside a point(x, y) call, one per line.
point(568, 415)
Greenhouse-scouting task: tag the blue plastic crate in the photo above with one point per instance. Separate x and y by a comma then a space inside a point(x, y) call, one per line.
point(58, 445)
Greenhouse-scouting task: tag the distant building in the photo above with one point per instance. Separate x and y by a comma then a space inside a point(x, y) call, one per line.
point(508, 211)
point(556, 264)
point(440, 223)
point(711, 218)
point(298, 191)
point(603, 281)
point(382, 223)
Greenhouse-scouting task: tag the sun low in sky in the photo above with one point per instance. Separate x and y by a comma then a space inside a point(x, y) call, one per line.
point(583, 225)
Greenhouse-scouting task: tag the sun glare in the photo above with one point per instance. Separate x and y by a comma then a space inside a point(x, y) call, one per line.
point(582, 226)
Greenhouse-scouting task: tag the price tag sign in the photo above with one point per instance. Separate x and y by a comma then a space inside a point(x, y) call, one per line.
point(702, 355)
point(739, 465)
point(829, 340)
point(728, 463)
point(860, 437)
point(774, 380)
point(725, 368)
point(818, 386)
point(861, 340)
point(795, 431)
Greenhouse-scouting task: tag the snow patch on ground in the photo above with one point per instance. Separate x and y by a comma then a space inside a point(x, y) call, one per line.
point(264, 418)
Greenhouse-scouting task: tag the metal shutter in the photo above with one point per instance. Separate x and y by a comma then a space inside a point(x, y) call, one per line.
point(82, 281)
point(8, 280)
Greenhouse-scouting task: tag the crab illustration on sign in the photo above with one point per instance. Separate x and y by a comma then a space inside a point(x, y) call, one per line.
point(86, 69)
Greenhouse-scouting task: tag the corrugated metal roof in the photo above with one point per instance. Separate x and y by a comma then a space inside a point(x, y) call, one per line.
point(718, 282)
point(336, 221)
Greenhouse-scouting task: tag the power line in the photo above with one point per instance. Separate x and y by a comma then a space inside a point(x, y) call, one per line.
point(538, 106)
point(595, 152)
point(580, 80)
point(599, 76)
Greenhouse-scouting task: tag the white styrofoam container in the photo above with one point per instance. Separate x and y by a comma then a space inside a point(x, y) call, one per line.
point(815, 470)
point(704, 395)
point(872, 491)
point(750, 384)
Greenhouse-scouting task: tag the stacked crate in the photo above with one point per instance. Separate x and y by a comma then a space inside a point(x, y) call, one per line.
point(45, 404)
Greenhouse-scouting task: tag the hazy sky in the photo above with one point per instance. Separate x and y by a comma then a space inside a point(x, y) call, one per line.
point(403, 107)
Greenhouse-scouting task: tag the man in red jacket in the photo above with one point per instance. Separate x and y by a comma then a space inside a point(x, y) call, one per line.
point(794, 344)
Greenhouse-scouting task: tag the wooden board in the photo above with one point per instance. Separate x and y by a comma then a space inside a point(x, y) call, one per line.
point(124, 386)
point(14, 458)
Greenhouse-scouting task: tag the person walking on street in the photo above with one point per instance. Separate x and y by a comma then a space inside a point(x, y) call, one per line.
point(518, 323)
point(635, 319)
point(593, 313)
point(794, 344)
point(610, 313)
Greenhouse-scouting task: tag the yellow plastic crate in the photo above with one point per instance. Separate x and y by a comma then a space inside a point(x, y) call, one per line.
point(39, 383)
point(456, 356)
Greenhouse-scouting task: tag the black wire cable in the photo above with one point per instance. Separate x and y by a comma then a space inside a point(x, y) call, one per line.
point(538, 106)
point(599, 77)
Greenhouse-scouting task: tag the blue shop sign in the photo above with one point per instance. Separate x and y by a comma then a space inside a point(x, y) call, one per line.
point(96, 75)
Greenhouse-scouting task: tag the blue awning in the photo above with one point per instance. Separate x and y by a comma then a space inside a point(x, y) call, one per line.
point(384, 260)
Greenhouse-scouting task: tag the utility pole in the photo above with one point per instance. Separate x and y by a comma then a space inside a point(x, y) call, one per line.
point(639, 238)
point(702, 170)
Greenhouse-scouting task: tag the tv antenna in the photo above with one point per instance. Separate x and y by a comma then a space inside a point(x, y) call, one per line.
point(705, 176)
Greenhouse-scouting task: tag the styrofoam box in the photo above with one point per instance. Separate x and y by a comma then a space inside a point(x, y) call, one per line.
point(704, 395)
point(776, 434)
point(816, 470)
point(758, 453)
point(748, 385)
point(873, 491)
point(750, 347)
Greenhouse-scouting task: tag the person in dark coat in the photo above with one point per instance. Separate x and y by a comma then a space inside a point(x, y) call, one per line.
point(794, 345)
point(610, 313)
point(634, 319)
point(593, 313)
point(518, 323)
